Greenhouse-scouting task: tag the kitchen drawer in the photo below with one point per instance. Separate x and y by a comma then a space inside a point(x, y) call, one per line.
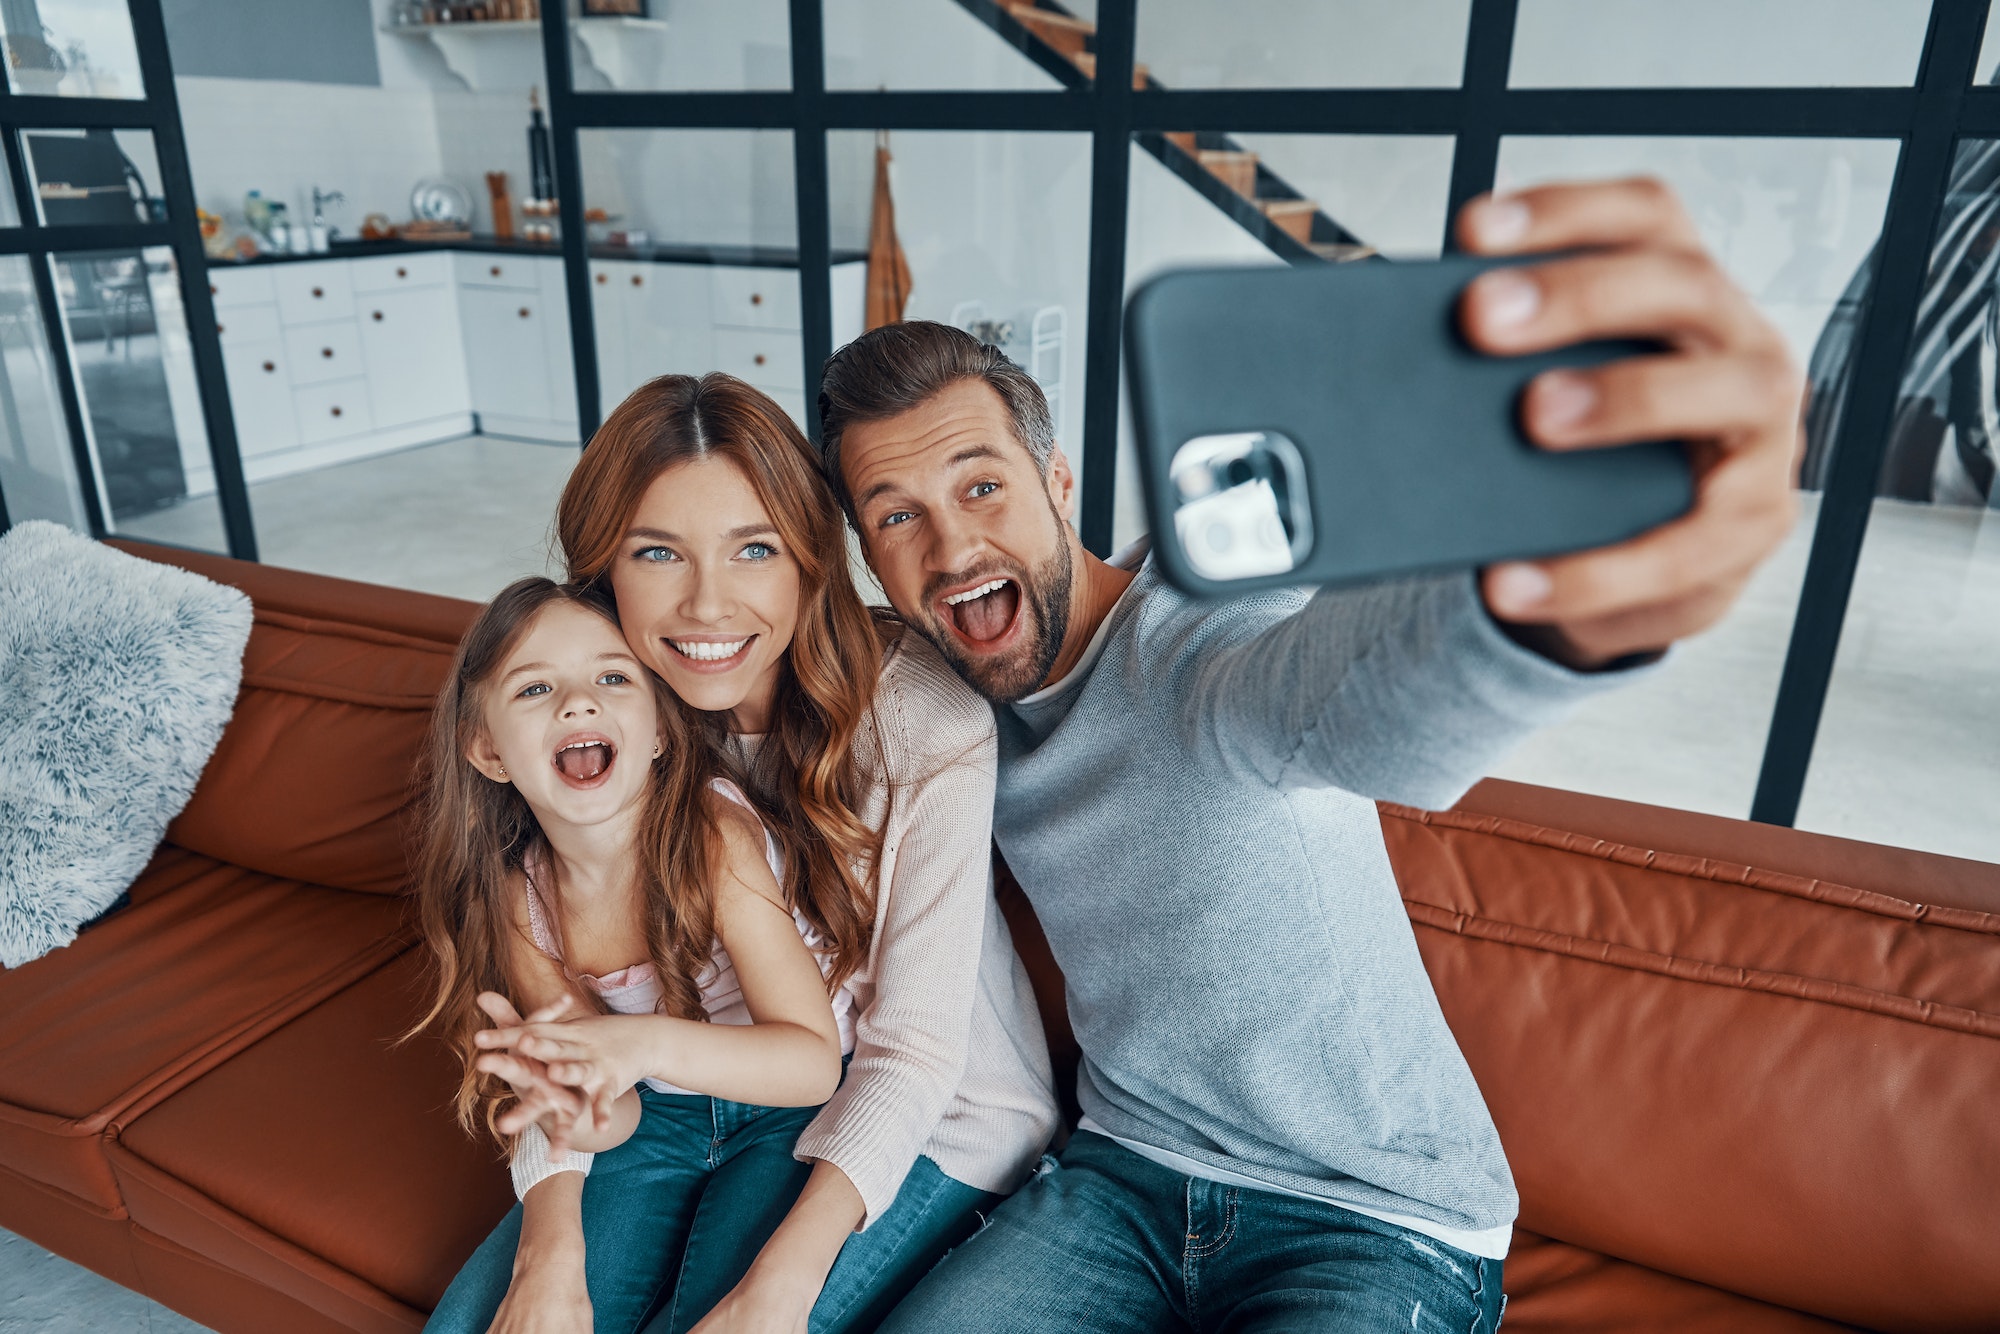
point(246, 324)
point(323, 352)
point(755, 298)
point(499, 270)
point(506, 352)
point(260, 396)
point(318, 290)
point(332, 410)
point(761, 356)
point(393, 273)
point(241, 287)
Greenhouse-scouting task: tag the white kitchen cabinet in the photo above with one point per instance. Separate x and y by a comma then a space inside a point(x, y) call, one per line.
point(414, 354)
point(481, 270)
point(332, 411)
point(615, 379)
point(397, 273)
point(313, 290)
point(763, 297)
point(260, 396)
point(325, 351)
point(506, 357)
point(557, 348)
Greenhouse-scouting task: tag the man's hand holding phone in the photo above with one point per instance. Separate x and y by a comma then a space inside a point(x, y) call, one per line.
point(1726, 385)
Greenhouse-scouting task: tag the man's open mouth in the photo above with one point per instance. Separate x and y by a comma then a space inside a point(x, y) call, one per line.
point(712, 655)
point(984, 613)
point(585, 759)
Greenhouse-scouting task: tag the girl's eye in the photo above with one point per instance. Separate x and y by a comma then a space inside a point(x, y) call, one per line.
point(758, 551)
point(656, 555)
point(983, 489)
point(530, 692)
point(614, 679)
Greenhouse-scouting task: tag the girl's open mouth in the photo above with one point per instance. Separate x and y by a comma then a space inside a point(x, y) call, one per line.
point(584, 760)
point(984, 613)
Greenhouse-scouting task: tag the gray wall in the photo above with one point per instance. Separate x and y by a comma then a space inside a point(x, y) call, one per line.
point(315, 41)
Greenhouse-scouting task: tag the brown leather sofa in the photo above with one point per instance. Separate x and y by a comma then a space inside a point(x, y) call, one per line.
point(1735, 1099)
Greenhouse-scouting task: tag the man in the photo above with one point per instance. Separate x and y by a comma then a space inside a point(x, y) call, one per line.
point(1279, 1132)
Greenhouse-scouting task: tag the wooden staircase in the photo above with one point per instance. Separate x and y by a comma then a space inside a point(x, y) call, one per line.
point(1220, 169)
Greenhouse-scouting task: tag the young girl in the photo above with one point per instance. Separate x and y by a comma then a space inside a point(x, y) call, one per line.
point(581, 865)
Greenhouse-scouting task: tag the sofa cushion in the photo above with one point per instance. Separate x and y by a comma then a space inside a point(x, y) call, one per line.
point(312, 779)
point(1556, 1288)
point(1778, 1086)
point(206, 959)
point(324, 1160)
point(120, 674)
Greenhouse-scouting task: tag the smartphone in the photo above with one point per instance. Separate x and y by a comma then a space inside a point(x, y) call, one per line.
point(1331, 425)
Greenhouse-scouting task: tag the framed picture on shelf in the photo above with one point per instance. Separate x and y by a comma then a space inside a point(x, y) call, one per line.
point(610, 9)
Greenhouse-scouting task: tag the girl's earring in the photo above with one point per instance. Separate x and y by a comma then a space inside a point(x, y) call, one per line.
point(503, 771)
point(656, 750)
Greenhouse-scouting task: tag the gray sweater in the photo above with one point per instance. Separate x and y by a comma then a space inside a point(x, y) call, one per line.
point(1190, 813)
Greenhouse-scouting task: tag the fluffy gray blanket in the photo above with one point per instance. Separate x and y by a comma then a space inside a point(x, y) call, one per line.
point(117, 676)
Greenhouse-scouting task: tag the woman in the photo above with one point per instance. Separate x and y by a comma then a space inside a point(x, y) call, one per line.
point(699, 506)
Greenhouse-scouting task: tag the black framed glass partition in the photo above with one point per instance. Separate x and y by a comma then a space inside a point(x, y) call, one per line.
point(1045, 156)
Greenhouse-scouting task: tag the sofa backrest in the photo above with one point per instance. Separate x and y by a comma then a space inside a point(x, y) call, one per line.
point(312, 779)
point(1779, 1085)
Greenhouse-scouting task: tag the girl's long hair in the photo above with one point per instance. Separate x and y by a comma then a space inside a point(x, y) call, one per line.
point(478, 835)
point(807, 773)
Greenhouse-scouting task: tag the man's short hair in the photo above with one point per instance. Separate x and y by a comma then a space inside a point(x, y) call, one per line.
point(892, 369)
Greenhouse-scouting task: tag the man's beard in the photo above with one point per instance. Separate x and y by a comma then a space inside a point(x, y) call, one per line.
point(1004, 678)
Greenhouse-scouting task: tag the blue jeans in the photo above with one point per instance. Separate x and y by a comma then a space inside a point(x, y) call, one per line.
point(1105, 1240)
point(931, 1214)
point(672, 1217)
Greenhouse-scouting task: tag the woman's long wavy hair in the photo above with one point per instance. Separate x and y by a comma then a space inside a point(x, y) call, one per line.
point(478, 835)
point(808, 772)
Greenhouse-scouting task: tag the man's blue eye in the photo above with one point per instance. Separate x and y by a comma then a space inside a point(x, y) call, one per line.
point(900, 516)
point(984, 489)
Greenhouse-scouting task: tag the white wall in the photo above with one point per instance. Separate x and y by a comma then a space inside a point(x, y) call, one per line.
point(371, 144)
point(1717, 43)
point(1289, 44)
point(921, 44)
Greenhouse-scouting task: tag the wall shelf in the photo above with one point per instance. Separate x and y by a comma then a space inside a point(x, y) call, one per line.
point(508, 54)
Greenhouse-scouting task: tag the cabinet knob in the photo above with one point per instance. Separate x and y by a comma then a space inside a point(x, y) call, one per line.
point(601, 278)
point(218, 330)
point(319, 291)
point(524, 312)
point(378, 317)
point(402, 272)
point(336, 409)
point(495, 270)
point(212, 290)
point(326, 352)
point(756, 298)
point(638, 281)
point(759, 358)
point(271, 366)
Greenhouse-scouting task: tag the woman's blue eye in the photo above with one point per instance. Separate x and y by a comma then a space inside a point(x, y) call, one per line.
point(759, 551)
point(654, 554)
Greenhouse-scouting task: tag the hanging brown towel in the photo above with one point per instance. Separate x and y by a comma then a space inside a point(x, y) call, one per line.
point(888, 269)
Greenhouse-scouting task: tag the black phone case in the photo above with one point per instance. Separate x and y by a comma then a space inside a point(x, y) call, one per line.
point(1411, 443)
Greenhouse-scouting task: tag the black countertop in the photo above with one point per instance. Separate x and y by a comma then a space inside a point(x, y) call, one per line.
point(765, 257)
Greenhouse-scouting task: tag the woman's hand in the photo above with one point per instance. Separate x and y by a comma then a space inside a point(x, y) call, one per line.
point(761, 1304)
point(594, 1060)
point(546, 1299)
point(548, 1294)
point(537, 1097)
